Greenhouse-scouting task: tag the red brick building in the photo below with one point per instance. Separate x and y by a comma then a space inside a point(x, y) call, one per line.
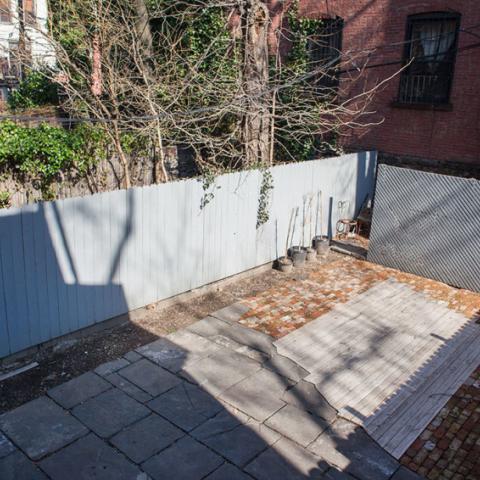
point(431, 110)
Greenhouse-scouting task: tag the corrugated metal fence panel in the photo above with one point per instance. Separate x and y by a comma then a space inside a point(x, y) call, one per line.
point(68, 264)
point(427, 224)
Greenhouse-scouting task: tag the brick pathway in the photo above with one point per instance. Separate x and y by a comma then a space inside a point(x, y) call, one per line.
point(449, 448)
point(280, 310)
point(214, 401)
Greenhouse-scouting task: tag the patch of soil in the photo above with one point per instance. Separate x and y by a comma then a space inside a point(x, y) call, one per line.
point(70, 358)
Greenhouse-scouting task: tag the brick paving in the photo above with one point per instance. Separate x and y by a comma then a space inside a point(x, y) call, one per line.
point(282, 309)
point(449, 448)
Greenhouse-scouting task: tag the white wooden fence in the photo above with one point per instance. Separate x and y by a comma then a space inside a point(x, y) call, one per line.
point(68, 264)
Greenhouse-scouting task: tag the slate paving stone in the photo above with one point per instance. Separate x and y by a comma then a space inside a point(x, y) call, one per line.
point(78, 390)
point(179, 349)
point(109, 412)
point(220, 371)
point(211, 327)
point(285, 367)
point(90, 459)
point(149, 377)
point(287, 461)
point(111, 367)
point(404, 473)
point(17, 466)
point(228, 472)
point(349, 447)
point(145, 438)
point(298, 425)
point(232, 313)
point(238, 444)
point(41, 427)
point(186, 459)
point(6, 446)
point(186, 405)
point(259, 395)
point(129, 388)
point(334, 474)
point(305, 395)
point(132, 356)
point(165, 353)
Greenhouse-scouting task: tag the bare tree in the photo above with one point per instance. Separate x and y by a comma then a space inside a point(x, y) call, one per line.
point(200, 73)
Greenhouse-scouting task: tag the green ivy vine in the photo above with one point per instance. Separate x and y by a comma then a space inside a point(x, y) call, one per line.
point(266, 187)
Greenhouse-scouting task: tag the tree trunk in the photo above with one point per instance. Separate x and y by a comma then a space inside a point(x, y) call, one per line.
point(257, 117)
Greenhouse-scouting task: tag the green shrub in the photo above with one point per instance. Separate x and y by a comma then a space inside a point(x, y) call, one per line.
point(44, 151)
point(34, 91)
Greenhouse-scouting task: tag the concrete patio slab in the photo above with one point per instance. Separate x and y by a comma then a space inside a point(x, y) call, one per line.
point(186, 406)
point(109, 412)
point(145, 438)
point(187, 459)
point(41, 427)
point(89, 458)
point(78, 390)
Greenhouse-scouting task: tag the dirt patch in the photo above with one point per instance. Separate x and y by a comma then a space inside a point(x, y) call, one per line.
point(71, 358)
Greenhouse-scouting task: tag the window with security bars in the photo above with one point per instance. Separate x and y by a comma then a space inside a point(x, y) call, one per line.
point(325, 49)
point(430, 53)
point(5, 16)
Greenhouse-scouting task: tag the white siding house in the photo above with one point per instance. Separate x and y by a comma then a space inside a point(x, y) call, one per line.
point(35, 23)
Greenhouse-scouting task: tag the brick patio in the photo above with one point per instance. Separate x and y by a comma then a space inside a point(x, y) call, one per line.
point(449, 448)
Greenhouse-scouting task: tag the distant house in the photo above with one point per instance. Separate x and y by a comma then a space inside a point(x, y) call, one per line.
point(14, 28)
point(431, 111)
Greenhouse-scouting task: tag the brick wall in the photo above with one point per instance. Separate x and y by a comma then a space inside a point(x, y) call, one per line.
point(431, 134)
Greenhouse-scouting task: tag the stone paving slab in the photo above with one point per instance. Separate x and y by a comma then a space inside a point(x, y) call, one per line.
point(186, 459)
point(220, 371)
point(259, 395)
point(6, 446)
point(228, 472)
point(109, 412)
point(90, 458)
point(349, 448)
point(132, 356)
point(129, 388)
point(211, 327)
point(297, 425)
point(186, 405)
point(78, 390)
point(17, 466)
point(287, 461)
point(41, 427)
point(111, 367)
point(145, 438)
point(237, 441)
point(149, 377)
point(305, 395)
